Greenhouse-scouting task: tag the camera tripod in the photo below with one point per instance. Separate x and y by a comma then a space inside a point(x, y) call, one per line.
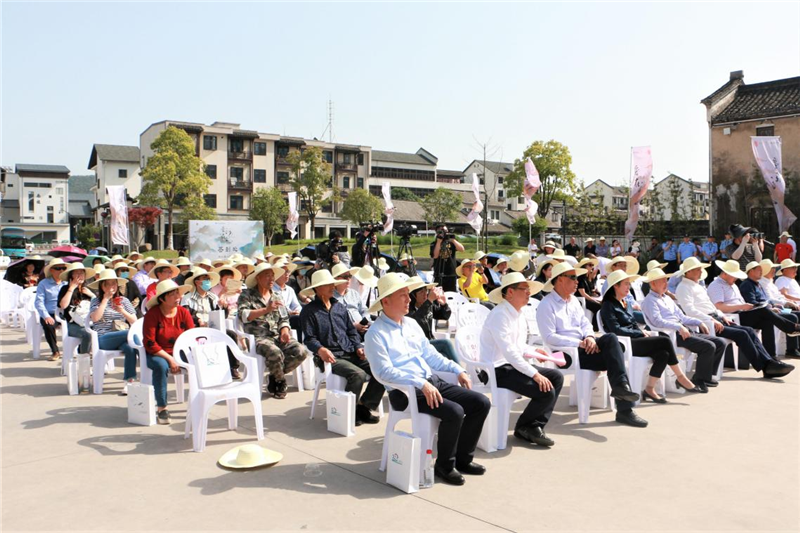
point(405, 247)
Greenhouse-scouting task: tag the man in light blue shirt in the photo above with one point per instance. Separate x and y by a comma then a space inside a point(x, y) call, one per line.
point(723, 247)
point(399, 354)
point(46, 303)
point(359, 314)
point(686, 249)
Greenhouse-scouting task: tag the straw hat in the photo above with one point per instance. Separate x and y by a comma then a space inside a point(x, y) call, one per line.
point(285, 265)
point(550, 244)
point(382, 264)
point(496, 296)
point(616, 277)
point(64, 276)
point(478, 256)
point(590, 239)
point(236, 274)
point(388, 285)
point(588, 261)
point(131, 271)
point(544, 264)
point(653, 263)
point(100, 268)
point(281, 257)
point(366, 276)
point(252, 280)
point(197, 272)
point(258, 256)
point(788, 263)
point(751, 265)
point(182, 261)
point(236, 257)
point(250, 267)
point(164, 287)
point(116, 258)
point(163, 263)
point(767, 265)
point(204, 263)
point(305, 260)
point(465, 262)
point(249, 456)
point(690, 263)
point(404, 257)
point(656, 273)
point(601, 239)
point(340, 268)
point(148, 259)
point(218, 262)
point(785, 234)
point(133, 256)
point(731, 268)
point(500, 260)
point(631, 264)
point(320, 278)
point(562, 268)
point(105, 275)
point(519, 261)
point(53, 262)
point(417, 283)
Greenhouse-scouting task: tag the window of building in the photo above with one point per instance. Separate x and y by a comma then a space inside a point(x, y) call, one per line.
point(283, 151)
point(209, 142)
point(500, 180)
point(765, 131)
point(50, 218)
point(346, 182)
point(500, 194)
point(235, 145)
point(260, 175)
point(360, 159)
point(328, 156)
point(360, 182)
point(260, 148)
point(236, 202)
point(122, 173)
point(237, 173)
point(348, 158)
point(31, 201)
point(211, 171)
point(211, 200)
point(282, 177)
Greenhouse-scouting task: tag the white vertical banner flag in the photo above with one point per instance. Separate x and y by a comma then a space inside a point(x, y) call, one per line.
point(119, 214)
point(474, 217)
point(640, 182)
point(529, 188)
point(294, 216)
point(767, 151)
point(386, 190)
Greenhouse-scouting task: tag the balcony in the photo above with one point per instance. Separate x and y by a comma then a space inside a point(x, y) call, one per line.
point(346, 166)
point(284, 187)
point(240, 185)
point(240, 156)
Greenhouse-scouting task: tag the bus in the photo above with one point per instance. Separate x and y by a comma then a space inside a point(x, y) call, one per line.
point(14, 243)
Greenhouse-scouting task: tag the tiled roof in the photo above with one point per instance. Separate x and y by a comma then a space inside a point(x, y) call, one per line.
point(51, 169)
point(761, 100)
point(497, 167)
point(399, 157)
point(80, 209)
point(81, 185)
point(113, 152)
point(449, 173)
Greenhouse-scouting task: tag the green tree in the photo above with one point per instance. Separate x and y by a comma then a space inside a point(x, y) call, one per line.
point(195, 208)
point(270, 207)
point(311, 179)
point(360, 206)
point(442, 205)
point(527, 231)
point(174, 176)
point(88, 234)
point(552, 160)
point(401, 193)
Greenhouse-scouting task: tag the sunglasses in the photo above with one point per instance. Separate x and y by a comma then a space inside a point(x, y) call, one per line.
point(58, 268)
point(571, 277)
point(345, 276)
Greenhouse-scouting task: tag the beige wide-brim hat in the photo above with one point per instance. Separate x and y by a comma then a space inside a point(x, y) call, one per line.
point(788, 263)
point(418, 283)
point(250, 267)
point(99, 268)
point(236, 257)
point(786, 234)
point(655, 274)
point(544, 264)
point(403, 257)
point(252, 279)
point(182, 261)
point(631, 264)
point(382, 264)
point(249, 456)
point(340, 268)
point(590, 239)
point(197, 272)
point(142, 262)
point(285, 265)
point(767, 265)
point(106, 275)
point(236, 274)
point(319, 279)
point(519, 260)
point(653, 263)
point(131, 271)
point(163, 263)
point(588, 261)
point(500, 261)
point(134, 256)
point(116, 258)
point(465, 262)
point(751, 265)
point(690, 263)
point(64, 276)
point(204, 263)
point(513, 278)
point(164, 287)
point(218, 262)
point(616, 277)
point(559, 269)
point(388, 285)
point(258, 256)
point(601, 239)
point(731, 268)
point(366, 276)
point(478, 255)
point(281, 257)
point(53, 262)
point(550, 244)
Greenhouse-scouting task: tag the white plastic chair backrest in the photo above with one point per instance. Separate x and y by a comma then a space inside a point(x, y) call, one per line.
point(529, 312)
point(471, 315)
point(455, 299)
point(27, 296)
point(136, 332)
point(189, 338)
point(468, 344)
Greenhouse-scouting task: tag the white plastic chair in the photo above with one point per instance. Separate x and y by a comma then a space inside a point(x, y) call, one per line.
point(721, 368)
point(202, 399)
point(102, 360)
point(685, 357)
point(468, 347)
point(250, 339)
point(69, 345)
point(136, 340)
point(33, 328)
point(454, 302)
point(471, 316)
point(332, 383)
point(529, 312)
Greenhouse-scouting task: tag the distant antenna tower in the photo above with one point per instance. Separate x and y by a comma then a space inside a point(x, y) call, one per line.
point(329, 127)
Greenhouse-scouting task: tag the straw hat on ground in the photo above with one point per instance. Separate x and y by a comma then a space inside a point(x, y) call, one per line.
point(340, 268)
point(465, 262)
point(236, 274)
point(655, 274)
point(164, 287)
point(64, 276)
point(197, 272)
point(559, 269)
point(163, 263)
point(252, 279)
point(249, 456)
point(53, 262)
point(519, 260)
point(513, 278)
point(388, 285)
point(731, 268)
point(631, 264)
point(320, 278)
point(366, 276)
point(105, 275)
point(616, 277)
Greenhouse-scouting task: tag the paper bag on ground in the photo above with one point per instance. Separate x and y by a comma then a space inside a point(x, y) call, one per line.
point(141, 404)
point(402, 463)
point(341, 407)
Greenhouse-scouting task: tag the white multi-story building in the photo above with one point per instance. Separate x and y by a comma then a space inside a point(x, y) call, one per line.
point(36, 199)
point(114, 165)
point(692, 198)
point(610, 197)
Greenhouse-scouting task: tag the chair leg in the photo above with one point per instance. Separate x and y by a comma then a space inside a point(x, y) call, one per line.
point(256, 400)
point(233, 413)
point(320, 380)
point(98, 374)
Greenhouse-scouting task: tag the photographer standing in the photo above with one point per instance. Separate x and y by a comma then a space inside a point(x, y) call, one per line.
point(443, 252)
point(328, 251)
point(747, 245)
point(365, 250)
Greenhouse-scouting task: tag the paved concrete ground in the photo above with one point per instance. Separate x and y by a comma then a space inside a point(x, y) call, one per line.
point(725, 461)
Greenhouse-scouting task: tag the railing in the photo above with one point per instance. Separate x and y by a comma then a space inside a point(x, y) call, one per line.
point(345, 166)
point(240, 185)
point(241, 156)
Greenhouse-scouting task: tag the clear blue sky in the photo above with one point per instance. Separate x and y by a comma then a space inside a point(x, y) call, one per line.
point(598, 77)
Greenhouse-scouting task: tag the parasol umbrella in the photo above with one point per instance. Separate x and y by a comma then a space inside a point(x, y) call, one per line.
point(16, 270)
point(90, 259)
point(99, 251)
point(61, 251)
point(72, 259)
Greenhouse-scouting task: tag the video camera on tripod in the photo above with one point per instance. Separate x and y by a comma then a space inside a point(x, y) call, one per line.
point(405, 231)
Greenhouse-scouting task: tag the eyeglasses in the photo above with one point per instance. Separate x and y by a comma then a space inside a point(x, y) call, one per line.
point(522, 287)
point(58, 268)
point(570, 277)
point(345, 276)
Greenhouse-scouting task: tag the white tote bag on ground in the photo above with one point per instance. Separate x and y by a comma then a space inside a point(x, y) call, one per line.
point(488, 439)
point(72, 376)
point(141, 404)
point(213, 368)
point(341, 407)
point(402, 463)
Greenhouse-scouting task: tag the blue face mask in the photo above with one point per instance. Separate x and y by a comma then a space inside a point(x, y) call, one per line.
point(206, 284)
point(125, 275)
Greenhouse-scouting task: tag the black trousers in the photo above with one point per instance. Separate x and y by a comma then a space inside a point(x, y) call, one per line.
point(538, 411)
point(449, 283)
point(672, 266)
point(355, 371)
point(50, 335)
point(709, 350)
point(462, 415)
point(660, 349)
point(749, 345)
point(765, 320)
point(611, 359)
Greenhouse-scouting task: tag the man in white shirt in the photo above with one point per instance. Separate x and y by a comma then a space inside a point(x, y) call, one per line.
point(562, 323)
point(358, 312)
point(290, 300)
point(767, 282)
point(504, 345)
point(787, 282)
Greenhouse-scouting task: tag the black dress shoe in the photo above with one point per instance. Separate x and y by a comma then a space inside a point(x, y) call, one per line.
point(776, 369)
point(710, 383)
point(624, 393)
point(655, 399)
point(535, 435)
point(364, 415)
point(471, 469)
point(629, 418)
point(453, 477)
point(701, 385)
point(794, 354)
point(696, 388)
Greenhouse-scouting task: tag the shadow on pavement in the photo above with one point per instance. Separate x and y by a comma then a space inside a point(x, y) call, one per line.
point(97, 416)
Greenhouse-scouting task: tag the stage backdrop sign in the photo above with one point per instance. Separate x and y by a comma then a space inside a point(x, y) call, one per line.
point(219, 239)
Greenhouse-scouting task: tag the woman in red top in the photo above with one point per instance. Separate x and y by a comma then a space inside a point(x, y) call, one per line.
point(164, 322)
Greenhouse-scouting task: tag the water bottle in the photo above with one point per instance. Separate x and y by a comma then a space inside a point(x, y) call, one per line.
point(427, 472)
